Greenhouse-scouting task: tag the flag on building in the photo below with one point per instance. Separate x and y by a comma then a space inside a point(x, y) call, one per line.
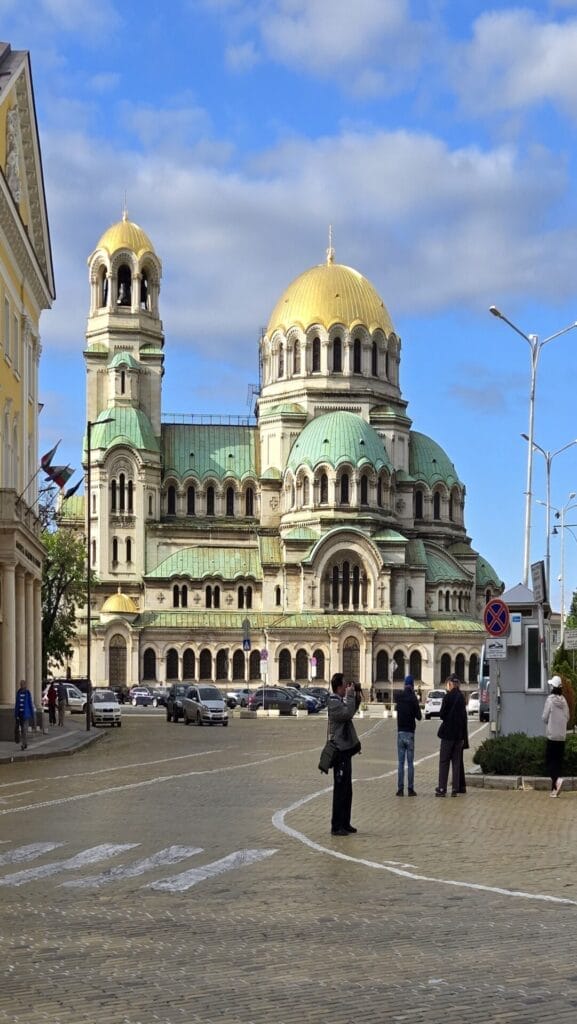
point(60, 475)
point(47, 459)
point(72, 490)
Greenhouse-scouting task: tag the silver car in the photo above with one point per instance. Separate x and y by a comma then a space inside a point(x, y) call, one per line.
point(204, 705)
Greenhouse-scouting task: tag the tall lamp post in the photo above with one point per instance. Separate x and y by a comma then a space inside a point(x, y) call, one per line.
point(89, 425)
point(535, 346)
point(549, 456)
point(560, 514)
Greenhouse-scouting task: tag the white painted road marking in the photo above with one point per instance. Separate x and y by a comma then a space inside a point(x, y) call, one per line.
point(91, 856)
point(172, 855)
point(24, 853)
point(184, 881)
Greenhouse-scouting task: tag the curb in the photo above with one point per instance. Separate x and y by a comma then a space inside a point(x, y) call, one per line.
point(42, 755)
point(517, 782)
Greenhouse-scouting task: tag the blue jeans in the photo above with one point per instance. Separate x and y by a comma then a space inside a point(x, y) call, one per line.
point(406, 748)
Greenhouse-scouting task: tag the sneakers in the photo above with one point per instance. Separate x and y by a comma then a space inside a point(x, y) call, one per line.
point(553, 793)
point(440, 792)
point(558, 785)
point(399, 792)
point(412, 792)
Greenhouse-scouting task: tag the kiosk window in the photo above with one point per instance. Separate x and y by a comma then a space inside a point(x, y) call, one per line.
point(533, 659)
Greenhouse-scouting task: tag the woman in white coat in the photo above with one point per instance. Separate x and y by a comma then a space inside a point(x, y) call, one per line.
point(556, 717)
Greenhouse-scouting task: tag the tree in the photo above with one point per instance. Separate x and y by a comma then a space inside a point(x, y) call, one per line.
point(571, 620)
point(63, 591)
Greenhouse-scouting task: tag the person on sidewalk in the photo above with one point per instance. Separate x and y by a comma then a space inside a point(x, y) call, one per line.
point(62, 702)
point(408, 713)
point(23, 712)
point(452, 733)
point(556, 717)
point(52, 697)
point(342, 706)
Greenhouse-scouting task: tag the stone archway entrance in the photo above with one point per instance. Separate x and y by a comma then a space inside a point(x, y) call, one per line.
point(351, 660)
point(117, 661)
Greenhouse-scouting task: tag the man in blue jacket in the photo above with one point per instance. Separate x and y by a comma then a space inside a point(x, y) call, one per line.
point(408, 713)
point(23, 712)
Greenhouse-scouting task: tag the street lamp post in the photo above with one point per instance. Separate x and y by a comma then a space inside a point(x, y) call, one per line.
point(535, 346)
point(560, 514)
point(549, 456)
point(89, 426)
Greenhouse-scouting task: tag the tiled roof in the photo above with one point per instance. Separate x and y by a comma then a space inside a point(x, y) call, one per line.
point(189, 619)
point(415, 553)
point(455, 626)
point(442, 568)
point(284, 409)
point(429, 463)
point(72, 508)
point(126, 425)
point(209, 450)
point(301, 533)
point(486, 574)
point(389, 536)
point(206, 562)
point(270, 550)
point(124, 358)
point(335, 438)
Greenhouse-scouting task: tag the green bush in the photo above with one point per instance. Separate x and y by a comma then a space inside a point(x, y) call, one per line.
point(518, 754)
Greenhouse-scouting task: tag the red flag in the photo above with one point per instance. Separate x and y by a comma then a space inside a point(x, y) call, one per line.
point(60, 475)
point(47, 459)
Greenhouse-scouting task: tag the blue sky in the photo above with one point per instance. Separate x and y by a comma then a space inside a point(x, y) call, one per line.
point(437, 137)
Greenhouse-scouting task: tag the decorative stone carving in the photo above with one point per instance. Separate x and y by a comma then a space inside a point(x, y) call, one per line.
point(13, 153)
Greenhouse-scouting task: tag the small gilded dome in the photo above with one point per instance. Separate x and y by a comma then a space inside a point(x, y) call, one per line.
point(125, 235)
point(119, 604)
point(330, 294)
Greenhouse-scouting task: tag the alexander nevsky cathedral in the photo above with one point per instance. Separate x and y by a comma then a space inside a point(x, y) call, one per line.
point(325, 535)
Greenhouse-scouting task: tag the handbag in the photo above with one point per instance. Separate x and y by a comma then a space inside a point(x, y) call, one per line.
point(328, 756)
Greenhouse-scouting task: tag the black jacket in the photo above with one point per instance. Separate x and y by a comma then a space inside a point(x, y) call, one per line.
point(408, 710)
point(454, 716)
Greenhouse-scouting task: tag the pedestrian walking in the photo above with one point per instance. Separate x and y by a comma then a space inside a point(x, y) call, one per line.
point(23, 712)
point(62, 702)
point(408, 714)
point(556, 717)
point(452, 733)
point(342, 707)
point(52, 697)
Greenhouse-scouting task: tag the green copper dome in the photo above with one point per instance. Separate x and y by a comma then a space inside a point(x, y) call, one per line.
point(338, 437)
point(429, 463)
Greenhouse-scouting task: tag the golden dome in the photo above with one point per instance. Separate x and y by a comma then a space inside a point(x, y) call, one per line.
point(125, 235)
point(119, 604)
point(327, 294)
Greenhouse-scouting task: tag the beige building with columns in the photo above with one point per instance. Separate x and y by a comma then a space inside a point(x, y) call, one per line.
point(26, 288)
point(325, 532)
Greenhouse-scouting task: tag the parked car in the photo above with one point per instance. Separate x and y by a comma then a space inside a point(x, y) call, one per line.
point(240, 696)
point(433, 703)
point(161, 694)
point(75, 699)
point(274, 698)
point(320, 692)
point(105, 708)
point(473, 703)
point(204, 705)
point(306, 700)
point(484, 701)
point(142, 696)
point(174, 700)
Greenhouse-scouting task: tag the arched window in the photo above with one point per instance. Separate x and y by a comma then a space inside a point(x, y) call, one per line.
point(93, 553)
point(337, 356)
point(144, 291)
point(172, 664)
point(171, 501)
point(356, 586)
point(474, 668)
point(324, 489)
point(113, 498)
point(399, 666)
point(122, 492)
point(357, 356)
point(248, 597)
point(436, 505)
point(320, 665)
point(306, 491)
point(117, 660)
point(124, 281)
point(122, 382)
point(409, 597)
point(254, 665)
point(415, 663)
point(387, 377)
point(302, 665)
point(128, 549)
point(418, 504)
point(102, 287)
point(316, 355)
point(222, 664)
point(445, 667)
point(285, 664)
point(346, 585)
point(345, 489)
point(240, 596)
point(487, 596)
point(230, 501)
point(277, 596)
point(184, 596)
point(238, 665)
point(150, 507)
point(191, 501)
point(380, 493)
point(364, 490)
point(460, 667)
point(382, 667)
point(208, 597)
point(210, 501)
point(297, 358)
point(293, 496)
point(249, 502)
point(130, 496)
point(451, 508)
point(188, 664)
point(176, 596)
point(114, 551)
point(281, 361)
point(216, 597)
point(374, 360)
point(205, 664)
point(149, 665)
point(447, 601)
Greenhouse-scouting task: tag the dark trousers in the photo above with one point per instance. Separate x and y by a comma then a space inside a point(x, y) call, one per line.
point(451, 753)
point(554, 754)
point(52, 714)
point(342, 793)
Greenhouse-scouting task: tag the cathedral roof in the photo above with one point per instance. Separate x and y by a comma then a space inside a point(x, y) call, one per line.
point(125, 425)
point(125, 234)
point(209, 450)
point(328, 294)
point(486, 575)
point(207, 562)
point(429, 463)
point(124, 359)
point(335, 438)
point(442, 568)
point(120, 604)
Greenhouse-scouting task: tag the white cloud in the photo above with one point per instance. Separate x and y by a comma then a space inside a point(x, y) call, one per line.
point(242, 57)
point(516, 59)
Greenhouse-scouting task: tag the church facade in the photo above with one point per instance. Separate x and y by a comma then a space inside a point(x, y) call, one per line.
point(326, 535)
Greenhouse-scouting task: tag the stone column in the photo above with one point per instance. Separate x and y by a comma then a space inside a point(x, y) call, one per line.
point(21, 631)
point(37, 617)
point(8, 677)
point(30, 654)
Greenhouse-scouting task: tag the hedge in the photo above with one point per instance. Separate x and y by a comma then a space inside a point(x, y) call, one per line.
point(518, 754)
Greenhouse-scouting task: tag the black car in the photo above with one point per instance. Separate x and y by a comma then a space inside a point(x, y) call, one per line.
point(275, 698)
point(320, 692)
point(174, 699)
